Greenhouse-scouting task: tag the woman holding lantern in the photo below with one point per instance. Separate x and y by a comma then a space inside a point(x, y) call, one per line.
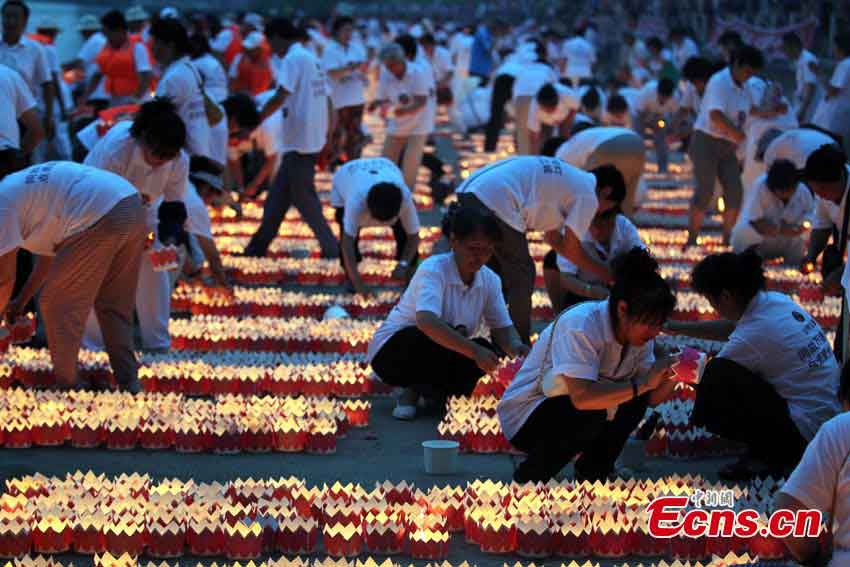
point(426, 344)
point(775, 380)
point(589, 378)
point(87, 230)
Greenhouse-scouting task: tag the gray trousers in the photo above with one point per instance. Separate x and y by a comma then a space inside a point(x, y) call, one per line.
point(293, 185)
point(627, 153)
point(98, 268)
point(514, 264)
point(715, 159)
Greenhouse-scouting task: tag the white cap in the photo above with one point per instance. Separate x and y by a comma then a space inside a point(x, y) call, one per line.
point(88, 23)
point(253, 40)
point(169, 12)
point(254, 20)
point(136, 14)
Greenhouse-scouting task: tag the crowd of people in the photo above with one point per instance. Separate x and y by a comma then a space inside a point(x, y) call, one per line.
point(174, 113)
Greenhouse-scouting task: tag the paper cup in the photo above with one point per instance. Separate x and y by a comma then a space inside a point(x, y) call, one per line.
point(440, 456)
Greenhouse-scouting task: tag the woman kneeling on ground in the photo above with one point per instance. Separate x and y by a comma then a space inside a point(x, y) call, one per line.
point(426, 345)
point(600, 356)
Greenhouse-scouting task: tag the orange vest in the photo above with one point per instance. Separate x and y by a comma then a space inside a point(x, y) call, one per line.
point(235, 47)
point(42, 39)
point(119, 68)
point(111, 116)
point(253, 77)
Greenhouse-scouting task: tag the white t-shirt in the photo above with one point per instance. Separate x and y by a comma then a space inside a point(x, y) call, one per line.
point(827, 213)
point(690, 98)
point(181, 82)
point(646, 101)
point(436, 287)
point(536, 193)
point(578, 149)
point(841, 78)
point(532, 77)
point(214, 76)
point(796, 145)
point(119, 153)
point(580, 56)
point(27, 57)
point(624, 237)
point(762, 203)
point(88, 55)
point(461, 49)
point(723, 94)
point(305, 111)
point(347, 90)
point(804, 74)
point(351, 185)
point(441, 63)
point(197, 215)
point(822, 482)
point(584, 347)
point(15, 99)
point(42, 206)
point(567, 102)
point(684, 51)
point(779, 341)
point(417, 81)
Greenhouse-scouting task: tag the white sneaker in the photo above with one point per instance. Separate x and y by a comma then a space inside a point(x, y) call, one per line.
point(404, 412)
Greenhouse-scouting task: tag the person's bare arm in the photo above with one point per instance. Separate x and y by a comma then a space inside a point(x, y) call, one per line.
point(94, 80)
point(578, 286)
point(444, 335)
point(508, 340)
point(569, 246)
point(144, 84)
point(567, 125)
point(349, 260)
point(35, 280)
point(718, 330)
point(722, 122)
point(411, 247)
point(817, 243)
point(587, 395)
point(801, 548)
point(265, 172)
point(34, 130)
point(8, 271)
point(274, 103)
point(234, 166)
point(213, 258)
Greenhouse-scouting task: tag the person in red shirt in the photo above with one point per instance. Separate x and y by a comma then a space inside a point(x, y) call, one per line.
point(251, 71)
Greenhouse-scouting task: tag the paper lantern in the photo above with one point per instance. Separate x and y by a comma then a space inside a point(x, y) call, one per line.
point(108, 559)
point(497, 535)
point(428, 544)
point(15, 539)
point(297, 536)
point(243, 541)
point(125, 537)
point(343, 540)
point(533, 537)
point(52, 535)
point(166, 541)
point(88, 533)
point(204, 539)
point(383, 534)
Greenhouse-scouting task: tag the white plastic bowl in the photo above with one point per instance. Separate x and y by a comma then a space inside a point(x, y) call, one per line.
point(440, 456)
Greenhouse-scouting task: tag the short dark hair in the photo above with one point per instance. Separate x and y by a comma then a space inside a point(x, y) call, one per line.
point(697, 69)
point(617, 104)
point(730, 39)
point(742, 275)
point(114, 20)
point(243, 108)
point(384, 200)
point(782, 174)
point(842, 41)
point(199, 45)
point(461, 222)
point(408, 44)
point(158, 126)
point(655, 43)
point(550, 146)
point(172, 32)
point(590, 99)
point(427, 39)
point(748, 56)
point(666, 86)
point(18, 3)
point(826, 165)
point(548, 95)
point(341, 22)
point(282, 28)
point(791, 39)
point(609, 176)
point(637, 282)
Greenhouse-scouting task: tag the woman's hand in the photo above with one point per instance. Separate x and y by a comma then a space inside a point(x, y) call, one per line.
point(486, 359)
point(660, 372)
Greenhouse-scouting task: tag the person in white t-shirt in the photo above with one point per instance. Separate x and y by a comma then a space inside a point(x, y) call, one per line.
point(590, 377)
point(717, 134)
point(86, 228)
point(774, 382)
point(93, 43)
point(212, 72)
point(147, 152)
point(821, 482)
point(533, 76)
point(345, 61)
point(772, 221)
point(796, 145)
point(432, 342)
point(17, 105)
point(590, 147)
point(833, 112)
point(554, 107)
point(530, 193)
point(807, 91)
point(408, 88)
point(371, 192)
point(440, 60)
point(682, 46)
point(258, 140)
point(580, 57)
point(302, 94)
point(618, 108)
point(654, 106)
point(610, 234)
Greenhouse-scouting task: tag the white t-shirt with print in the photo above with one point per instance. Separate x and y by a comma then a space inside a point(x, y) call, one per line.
point(536, 193)
point(351, 185)
point(436, 287)
point(417, 81)
point(779, 341)
point(567, 102)
point(624, 237)
point(347, 90)
point(16, 99)
point(584, 347)
point(305, 111)
point(43, 205)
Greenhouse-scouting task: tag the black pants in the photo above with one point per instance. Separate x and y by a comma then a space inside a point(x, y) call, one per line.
point(412, 360)
point(293, 186)
point(557, 431)
point(502, 89)
point(399, 234)
point(736, 404)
